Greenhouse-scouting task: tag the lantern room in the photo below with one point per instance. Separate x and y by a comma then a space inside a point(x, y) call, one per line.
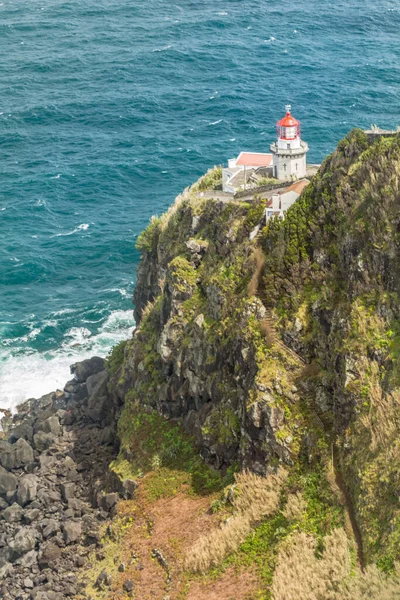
point(288, 128)
point(289, 151)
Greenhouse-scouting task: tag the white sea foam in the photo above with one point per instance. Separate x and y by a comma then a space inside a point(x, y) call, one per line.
point(163, 49)
point(33, 374)
point(82, 227)
point(215, 122)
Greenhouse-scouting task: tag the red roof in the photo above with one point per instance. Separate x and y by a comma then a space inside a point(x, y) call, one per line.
point(288, 121)
point(254, 159)
point(298, 186)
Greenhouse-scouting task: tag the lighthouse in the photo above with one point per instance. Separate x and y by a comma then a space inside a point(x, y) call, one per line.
point(289, 151)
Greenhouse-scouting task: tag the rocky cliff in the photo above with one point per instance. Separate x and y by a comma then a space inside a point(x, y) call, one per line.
point(257, 407)
point(282, 350)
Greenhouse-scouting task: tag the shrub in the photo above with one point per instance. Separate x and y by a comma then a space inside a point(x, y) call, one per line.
point(115, 357)
point(212, 180)
point(147, 241)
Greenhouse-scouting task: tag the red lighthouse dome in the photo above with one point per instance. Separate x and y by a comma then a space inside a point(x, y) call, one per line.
point(288, 128)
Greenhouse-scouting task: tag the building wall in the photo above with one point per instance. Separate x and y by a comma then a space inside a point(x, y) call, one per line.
point(280, 172)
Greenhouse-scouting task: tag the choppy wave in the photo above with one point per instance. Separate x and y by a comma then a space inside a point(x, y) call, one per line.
point(30, 374)
point(82, 227)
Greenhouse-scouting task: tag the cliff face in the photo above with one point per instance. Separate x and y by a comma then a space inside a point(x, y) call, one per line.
point(281, 350)
point(195, 353)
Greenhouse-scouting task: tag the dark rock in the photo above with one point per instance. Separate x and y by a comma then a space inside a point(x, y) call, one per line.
point(8, 482)
point(14, 456)
point(23, 430)
point(86, 368)
point(128, 586)
point(50, 528)
point(27, 489)
point(48, 555)
point(98, 400)
point(72, 531)
point(31, 515)
point(104, 579)
point(129, 488)
point(121, 568)
point(80, 561)
point(5, 568)
point(67, 491)
point(50, 425)
point(43, 440)
point(24, 541)
point(12, 514)
point(109, 501)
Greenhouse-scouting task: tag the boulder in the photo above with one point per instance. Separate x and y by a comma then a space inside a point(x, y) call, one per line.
point(129, 488)
point(109, 501)
point(98, 400)
point(27, 489)
point(94, 380)
point(43, 440)
point(67, 491)
point(28, 560)
point(72, 531)
point(5, 568)
point(50, 528)
point(48, 555)
point(23, 430)
point(24, 541)
point(86, 368)
point(128, 586)
point(8, 482)
point(28, 583)
point(50, 425)
point(14, 456)
point(12, 514)
point(104, 579)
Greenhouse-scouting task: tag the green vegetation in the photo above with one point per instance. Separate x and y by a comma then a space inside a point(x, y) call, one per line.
point(212, 180)
point(115, 357)
point(161, 447)
point(148, 239)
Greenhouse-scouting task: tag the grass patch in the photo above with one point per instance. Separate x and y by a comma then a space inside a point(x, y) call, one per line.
point(166, 457)
point(115, 357)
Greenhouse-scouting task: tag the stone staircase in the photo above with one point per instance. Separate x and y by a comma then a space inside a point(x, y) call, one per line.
point(270, 321)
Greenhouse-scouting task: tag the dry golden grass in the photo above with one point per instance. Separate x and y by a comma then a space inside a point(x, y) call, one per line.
point(300, 574)
point(295, 507)
point(254, 498)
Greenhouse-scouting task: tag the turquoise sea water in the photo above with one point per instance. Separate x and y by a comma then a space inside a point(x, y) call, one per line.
point(109, 108)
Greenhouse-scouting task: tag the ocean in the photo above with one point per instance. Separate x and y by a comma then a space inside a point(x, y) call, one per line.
point(108, 109)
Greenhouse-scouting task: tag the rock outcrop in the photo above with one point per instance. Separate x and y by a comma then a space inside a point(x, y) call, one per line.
point(54, 486)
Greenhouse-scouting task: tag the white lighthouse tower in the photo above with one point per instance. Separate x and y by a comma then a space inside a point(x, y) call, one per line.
point(289, 151)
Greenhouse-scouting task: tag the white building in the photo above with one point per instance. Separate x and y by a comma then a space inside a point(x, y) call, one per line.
point(289, 151)
point(243, 171)
point(281, 201)
point(286, 163)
